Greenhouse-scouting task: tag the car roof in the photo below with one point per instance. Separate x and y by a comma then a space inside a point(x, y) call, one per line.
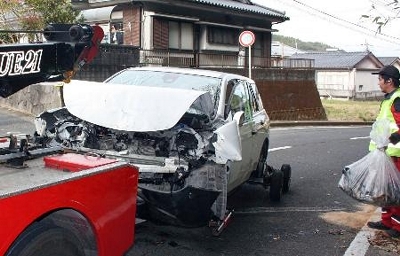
point(191, 71)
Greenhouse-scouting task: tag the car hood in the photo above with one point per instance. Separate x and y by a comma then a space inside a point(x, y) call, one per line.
point(128, 107)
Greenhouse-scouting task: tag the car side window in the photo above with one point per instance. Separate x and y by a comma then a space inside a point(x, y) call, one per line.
point(240, 100)
point(254, 97)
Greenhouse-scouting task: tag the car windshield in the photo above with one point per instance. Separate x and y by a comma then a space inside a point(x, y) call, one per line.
point(167, 79)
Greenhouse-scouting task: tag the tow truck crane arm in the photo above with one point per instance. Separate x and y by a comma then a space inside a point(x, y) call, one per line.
point(68, 48)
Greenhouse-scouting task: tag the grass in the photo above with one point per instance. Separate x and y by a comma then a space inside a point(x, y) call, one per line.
point(349, 110)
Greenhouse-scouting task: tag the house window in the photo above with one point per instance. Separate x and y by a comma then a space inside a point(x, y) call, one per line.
point(117, 33)
point(180, 35)
point(360, 87)
point(222, 35)
point(160, 34)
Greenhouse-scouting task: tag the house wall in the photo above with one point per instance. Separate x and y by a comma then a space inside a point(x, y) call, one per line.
point(366, 86)
point(356, 83)
point(334, 84)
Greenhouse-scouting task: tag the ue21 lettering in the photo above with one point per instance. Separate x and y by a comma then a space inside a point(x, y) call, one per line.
point(15, 63)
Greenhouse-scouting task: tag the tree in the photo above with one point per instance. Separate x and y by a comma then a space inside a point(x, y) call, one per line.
point(10, 13)
point(34, 15)
point(301, 45)
point(382, 12)
point(54, 11)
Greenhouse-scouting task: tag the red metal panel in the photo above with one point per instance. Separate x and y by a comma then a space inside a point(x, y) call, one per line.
point(107, 199)
point(75, 162)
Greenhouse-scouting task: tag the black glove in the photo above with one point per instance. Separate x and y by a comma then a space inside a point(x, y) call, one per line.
point(394, 138)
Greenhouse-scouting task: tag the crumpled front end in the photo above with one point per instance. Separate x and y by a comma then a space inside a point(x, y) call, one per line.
point(182, 179)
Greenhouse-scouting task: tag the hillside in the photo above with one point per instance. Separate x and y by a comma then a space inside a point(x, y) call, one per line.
point(301, 45)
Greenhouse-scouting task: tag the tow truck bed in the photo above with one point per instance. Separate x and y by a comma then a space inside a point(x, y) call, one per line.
point(35, 175)
point(96, 204)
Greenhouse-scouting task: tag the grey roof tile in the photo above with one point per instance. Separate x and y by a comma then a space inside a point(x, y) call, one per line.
point(254, 8)
point(388, 60)
point(335, 59)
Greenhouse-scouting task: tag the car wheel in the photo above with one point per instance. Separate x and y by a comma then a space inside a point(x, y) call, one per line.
point(276, 185)
point(287, 175)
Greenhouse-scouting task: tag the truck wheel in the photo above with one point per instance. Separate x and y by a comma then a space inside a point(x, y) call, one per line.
point(46, 240)
point(287, 175)
point(275, 188)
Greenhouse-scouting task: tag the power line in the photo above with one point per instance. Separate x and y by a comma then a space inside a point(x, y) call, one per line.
point(345, 23)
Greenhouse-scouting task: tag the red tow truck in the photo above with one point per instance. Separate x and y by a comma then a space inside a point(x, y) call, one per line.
point(54, 202)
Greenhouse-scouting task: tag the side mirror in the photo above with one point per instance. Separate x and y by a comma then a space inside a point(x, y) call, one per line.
point(239, 118)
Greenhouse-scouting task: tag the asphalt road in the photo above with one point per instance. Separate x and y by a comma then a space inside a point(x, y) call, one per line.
point(294, 226)
point(314, 218)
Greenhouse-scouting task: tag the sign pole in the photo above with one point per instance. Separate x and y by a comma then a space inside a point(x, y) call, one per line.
point(250, 61)
point(246, 39)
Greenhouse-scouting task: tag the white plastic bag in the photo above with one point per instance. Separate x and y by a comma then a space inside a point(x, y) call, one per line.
point(374, 179)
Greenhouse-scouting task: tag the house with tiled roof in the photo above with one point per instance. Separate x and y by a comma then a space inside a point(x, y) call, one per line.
point(347, 75)
point(167, 30)
point(395, 61)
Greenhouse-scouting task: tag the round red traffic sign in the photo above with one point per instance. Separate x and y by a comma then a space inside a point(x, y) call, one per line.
point(247, 38)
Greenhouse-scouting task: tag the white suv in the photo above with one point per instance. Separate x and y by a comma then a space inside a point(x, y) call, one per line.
point(195, 135)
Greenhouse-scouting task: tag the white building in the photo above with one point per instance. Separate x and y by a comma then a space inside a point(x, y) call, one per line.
point(345, 74)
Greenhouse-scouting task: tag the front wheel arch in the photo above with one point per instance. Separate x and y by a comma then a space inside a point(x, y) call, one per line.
point(262, 161)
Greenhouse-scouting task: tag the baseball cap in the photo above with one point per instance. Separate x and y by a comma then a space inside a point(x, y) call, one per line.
point(389, 70)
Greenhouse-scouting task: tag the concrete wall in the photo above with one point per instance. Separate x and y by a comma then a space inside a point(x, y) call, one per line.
point(34, 99)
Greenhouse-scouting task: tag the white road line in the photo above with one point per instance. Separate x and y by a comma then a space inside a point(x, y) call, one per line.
point(279, 148)
point(359, 246)
point(360, 138)
point(308, 127)
point(258, 210)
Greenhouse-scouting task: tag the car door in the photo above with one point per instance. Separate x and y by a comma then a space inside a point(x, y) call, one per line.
point(260, 123)
point(238, 100)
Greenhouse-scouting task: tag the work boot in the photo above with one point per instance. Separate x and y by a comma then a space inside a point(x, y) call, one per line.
point(377, 225)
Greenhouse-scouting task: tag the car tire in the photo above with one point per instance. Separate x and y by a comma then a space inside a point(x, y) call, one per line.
point(276, 185)
point(287, 176)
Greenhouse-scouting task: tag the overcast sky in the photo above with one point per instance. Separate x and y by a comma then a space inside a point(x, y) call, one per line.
point(336, 23)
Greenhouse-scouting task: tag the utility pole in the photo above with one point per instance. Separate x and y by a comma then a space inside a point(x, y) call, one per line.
point(367, 45)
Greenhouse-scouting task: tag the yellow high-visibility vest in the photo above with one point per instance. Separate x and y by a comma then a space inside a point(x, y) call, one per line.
point(386, 113)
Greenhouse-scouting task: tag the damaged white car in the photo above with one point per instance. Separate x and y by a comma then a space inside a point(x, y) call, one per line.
point(195, 135)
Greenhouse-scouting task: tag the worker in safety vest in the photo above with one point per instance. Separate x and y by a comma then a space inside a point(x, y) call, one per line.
point(388, 78)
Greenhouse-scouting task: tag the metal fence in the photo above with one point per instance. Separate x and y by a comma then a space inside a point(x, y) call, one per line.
point(217, 60)
point(113, 58)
